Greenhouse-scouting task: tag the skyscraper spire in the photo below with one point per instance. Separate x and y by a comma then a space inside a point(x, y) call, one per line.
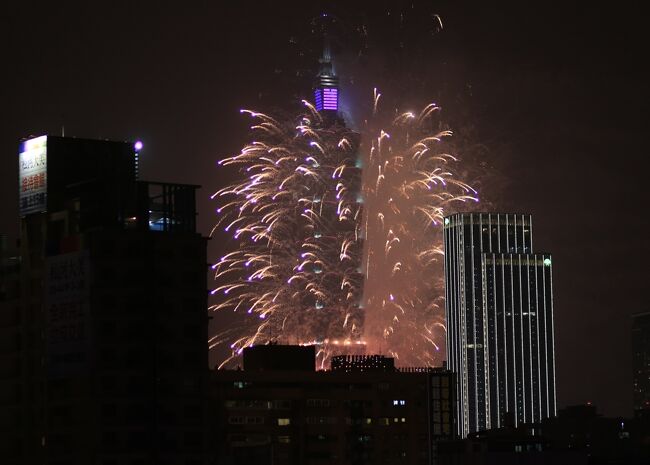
point(326, 91)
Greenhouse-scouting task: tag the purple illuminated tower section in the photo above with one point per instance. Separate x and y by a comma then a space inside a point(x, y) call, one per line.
point(327, 98)
point(326, 93)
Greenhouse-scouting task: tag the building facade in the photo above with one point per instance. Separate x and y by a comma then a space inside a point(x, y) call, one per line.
point(499, 310)
point(362, 411)
point(641, 360)
point(111, 303)
point(18, 366)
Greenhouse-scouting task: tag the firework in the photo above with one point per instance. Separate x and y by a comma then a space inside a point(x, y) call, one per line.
point(300, 266)
point(295, 216)
point(409, 184)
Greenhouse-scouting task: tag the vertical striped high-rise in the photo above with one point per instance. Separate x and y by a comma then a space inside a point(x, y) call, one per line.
point(499, 311)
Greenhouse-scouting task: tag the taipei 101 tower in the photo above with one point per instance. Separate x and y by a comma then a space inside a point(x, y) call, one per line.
point(296, 216)
point(336, 276)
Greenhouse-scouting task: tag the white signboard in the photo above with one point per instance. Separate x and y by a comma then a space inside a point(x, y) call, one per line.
point(32, 176)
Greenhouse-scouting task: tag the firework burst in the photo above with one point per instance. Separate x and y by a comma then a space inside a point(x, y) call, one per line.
point(409, 184)
point(300, 265)
point(296, 216)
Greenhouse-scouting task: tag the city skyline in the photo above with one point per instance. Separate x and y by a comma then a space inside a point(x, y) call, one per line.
point(550, 103)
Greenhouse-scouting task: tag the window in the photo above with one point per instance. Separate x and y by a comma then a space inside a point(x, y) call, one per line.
point(321, 438)
point(321, 403)
point(284, 421)
point(320, 420)
point(284, 439)
point(241, 420)
point(282, 404)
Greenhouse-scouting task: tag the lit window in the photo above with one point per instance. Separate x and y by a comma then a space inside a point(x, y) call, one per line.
point(284, 439)
point(284, 421)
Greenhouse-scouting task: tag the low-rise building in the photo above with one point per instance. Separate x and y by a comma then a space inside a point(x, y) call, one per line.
point(358, 412)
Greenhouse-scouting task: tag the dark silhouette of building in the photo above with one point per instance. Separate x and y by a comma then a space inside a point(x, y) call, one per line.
point(499, 309)
point(275, 357)
point(347, 415)
point(641, 360)
point(577, 435)
point(111, 363)
point(16, 408)
point(507, 445)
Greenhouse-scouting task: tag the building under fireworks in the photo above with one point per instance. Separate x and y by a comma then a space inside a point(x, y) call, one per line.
point(363, 410)
point(499, 307)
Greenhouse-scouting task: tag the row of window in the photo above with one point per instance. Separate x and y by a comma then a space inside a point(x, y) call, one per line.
point(314, 403)
point(258, 420)
point(314, 386)
point(258, 404)
point(315, 438)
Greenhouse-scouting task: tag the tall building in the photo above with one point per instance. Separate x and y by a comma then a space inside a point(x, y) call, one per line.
point(16, 404)
point(332, 239)
point(499, 310)
point(641, 360)
point(110, 309)
point(363, 410)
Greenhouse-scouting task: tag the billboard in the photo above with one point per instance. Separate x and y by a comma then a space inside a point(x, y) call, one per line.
point(32, 176)
point(67, 284)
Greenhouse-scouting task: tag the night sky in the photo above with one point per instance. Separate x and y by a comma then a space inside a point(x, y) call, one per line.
point(556, 96)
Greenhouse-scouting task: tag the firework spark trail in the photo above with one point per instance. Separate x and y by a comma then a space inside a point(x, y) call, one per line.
point(296, 272)
point(409, 184)
point(295, 216)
